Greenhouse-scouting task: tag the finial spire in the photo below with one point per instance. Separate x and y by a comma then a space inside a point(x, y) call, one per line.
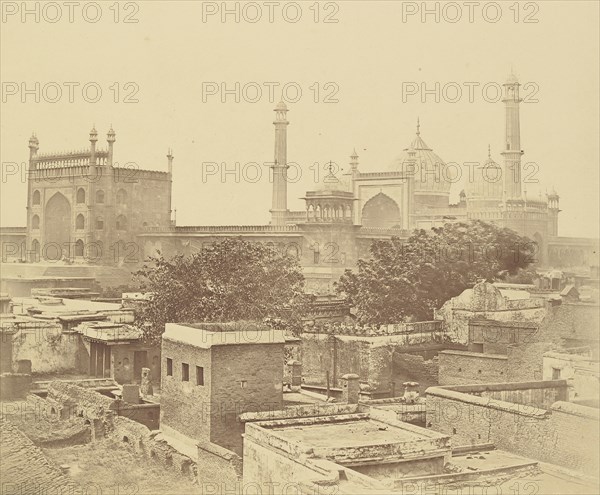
point(489, 152)
point(418, 127)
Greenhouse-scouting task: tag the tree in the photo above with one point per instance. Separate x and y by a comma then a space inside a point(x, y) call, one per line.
point(406, 280)
point(228, 281)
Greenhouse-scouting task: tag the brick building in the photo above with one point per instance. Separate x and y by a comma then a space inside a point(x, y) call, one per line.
point(82, 205)
point(212, 373)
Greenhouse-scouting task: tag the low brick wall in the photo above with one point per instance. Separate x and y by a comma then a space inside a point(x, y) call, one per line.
point(141, 440)
point(464, 367)
point(564, 434)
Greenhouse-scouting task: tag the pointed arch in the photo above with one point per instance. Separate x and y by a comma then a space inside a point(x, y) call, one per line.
point(57, 223)
point(380, 211)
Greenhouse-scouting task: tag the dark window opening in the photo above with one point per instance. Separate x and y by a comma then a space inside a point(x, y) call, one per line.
point(555, 373)
point(185, 372)
point(199, 375)
point(169, 367)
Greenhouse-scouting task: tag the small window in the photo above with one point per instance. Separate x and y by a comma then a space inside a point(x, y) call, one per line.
point(185, 372)
point(80, 196)
point(556, 373)
point(121, 196)
point(199, 375)
point(35, 222)
point(36, 198)
point(80, 222)
point(243, 384)
point(316, 257)
point(99, 223)
point(454, 431)
point(169, 367)
point(100, 196)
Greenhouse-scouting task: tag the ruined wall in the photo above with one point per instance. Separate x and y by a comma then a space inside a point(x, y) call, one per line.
point(418, 366)
point(24, 467)
point(48, 348)
point(485, 301)
point(322, 353)
point(463, 368)
point(494, 337)
point(568, 439)
point(382, 362)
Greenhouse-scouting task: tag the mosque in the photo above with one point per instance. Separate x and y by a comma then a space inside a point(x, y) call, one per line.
point(83, 209)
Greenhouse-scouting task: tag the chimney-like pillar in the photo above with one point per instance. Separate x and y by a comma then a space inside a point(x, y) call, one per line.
point(350, 388)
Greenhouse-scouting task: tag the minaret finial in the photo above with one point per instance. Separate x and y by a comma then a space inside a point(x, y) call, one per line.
point(489, 152)
point(418, 127)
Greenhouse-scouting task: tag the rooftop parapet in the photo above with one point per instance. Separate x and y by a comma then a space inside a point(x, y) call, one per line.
point(340, 328)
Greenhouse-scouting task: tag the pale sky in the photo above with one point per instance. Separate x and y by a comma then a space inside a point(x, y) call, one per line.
point(367, 57)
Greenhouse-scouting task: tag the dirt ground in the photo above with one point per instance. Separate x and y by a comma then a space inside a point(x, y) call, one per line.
point(104, 467)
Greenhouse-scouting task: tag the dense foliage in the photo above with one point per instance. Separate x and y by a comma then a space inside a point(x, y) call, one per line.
point(228, 281)
point(406, 280)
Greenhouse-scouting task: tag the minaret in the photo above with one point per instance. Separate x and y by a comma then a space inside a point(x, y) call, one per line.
point(354, 163)
point(512, 141)
point(170, 162)
point(110, 138)
point(34, 146)
point(279, 206)
point(93, 140)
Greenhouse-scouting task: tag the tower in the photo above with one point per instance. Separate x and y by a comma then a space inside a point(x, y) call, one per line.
point(170, 165)
point(512, 140)
point(34, 146)
point(110, 138)
point(554, 210)
point(93, 141)
point(279, 205)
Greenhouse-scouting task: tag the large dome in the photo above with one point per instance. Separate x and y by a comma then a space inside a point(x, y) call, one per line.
point(487, 182)
point(429, 167)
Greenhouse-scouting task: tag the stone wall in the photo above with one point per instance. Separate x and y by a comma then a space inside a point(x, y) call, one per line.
point(494, 337)
point(48, 348)
point(180, 400)
point(569, 438)
point(463, 368)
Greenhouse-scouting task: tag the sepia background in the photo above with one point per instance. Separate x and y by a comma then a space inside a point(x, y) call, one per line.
point(369, 53)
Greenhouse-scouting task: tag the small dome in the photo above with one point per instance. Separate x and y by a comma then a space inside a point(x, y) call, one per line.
point(281, 106)
point(333, 183)
point(429, 167)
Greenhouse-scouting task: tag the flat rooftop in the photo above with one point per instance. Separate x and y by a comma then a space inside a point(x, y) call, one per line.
point(349, 433)
point(350, 439)
point(207, 335)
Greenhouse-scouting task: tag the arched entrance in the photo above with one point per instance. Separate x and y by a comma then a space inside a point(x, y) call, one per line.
point(381, 211)
point(57, 227)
